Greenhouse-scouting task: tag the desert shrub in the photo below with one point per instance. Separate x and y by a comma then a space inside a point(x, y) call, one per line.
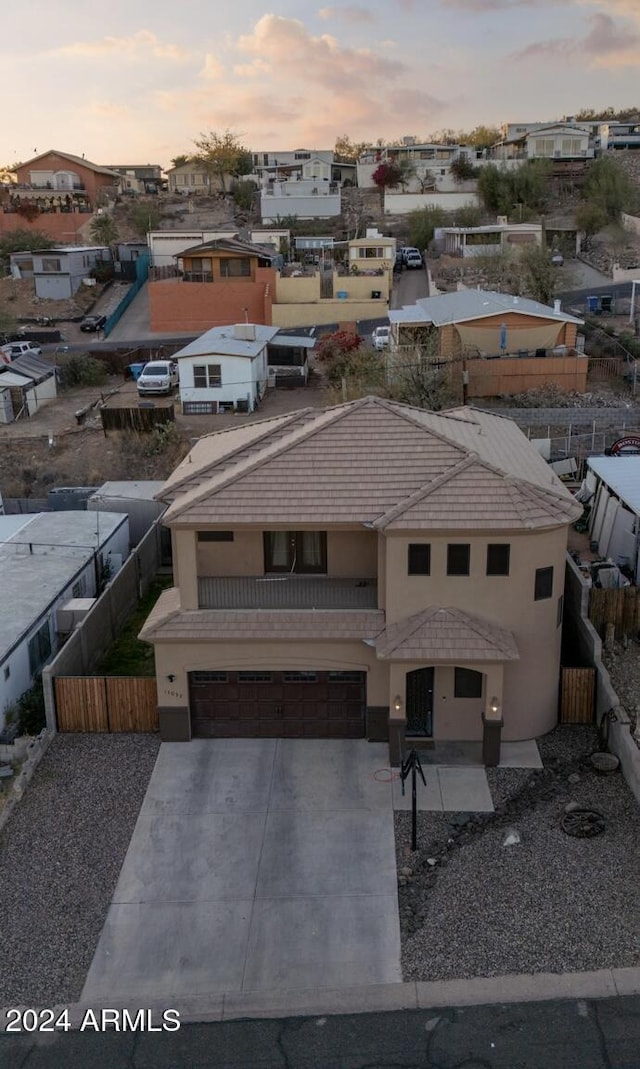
point(31, 714)
point(80, 369)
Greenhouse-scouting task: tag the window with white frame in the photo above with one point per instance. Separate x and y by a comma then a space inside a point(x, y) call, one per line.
point(207, 376)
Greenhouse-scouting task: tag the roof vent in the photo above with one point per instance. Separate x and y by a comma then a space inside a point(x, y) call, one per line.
point(557, 305)
point(244, 331)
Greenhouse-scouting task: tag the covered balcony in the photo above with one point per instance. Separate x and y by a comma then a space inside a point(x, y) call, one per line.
point(286, 592)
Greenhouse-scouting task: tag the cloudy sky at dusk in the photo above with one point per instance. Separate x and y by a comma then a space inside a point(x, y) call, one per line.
point(133, 83)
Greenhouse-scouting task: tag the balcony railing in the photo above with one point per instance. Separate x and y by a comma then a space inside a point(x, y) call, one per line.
point(197, 276)
point(286, 592)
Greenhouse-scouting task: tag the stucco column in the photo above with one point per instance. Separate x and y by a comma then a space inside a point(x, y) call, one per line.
point(492, 716)
point(186, 547)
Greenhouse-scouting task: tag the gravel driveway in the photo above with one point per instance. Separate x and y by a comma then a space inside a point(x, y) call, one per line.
point(60, 857)
point(552, 903)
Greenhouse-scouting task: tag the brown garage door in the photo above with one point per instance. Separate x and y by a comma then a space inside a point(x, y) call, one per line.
point(293, 705)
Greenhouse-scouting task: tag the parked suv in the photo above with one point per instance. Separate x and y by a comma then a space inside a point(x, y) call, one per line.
point(412, 258)
point(91, 324)
point(159, 376)
point(14, 349)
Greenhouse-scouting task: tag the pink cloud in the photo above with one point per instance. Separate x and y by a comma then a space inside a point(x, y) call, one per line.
point(607, 45)
point(351, 13)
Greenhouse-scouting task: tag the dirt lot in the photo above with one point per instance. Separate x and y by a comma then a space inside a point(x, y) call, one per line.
point(83, 456)
point(18, 299)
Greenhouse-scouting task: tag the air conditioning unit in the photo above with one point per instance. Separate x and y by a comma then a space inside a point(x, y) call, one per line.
point(72, 613)
point(272, 372)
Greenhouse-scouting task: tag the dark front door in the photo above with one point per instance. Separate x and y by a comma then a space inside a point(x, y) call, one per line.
point(420, 703)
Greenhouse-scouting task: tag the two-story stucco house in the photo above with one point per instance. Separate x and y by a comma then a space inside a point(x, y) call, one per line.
point(367, 570)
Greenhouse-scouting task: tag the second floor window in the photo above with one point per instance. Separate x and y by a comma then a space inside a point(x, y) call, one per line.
point(235, 267)
point(419, 559)
point(207, 376)
point(498, 558)
point(458, 556)
point(302, 552)
point(544, 584)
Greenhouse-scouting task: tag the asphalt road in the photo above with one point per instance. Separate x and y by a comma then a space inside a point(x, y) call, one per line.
point(570, 1034)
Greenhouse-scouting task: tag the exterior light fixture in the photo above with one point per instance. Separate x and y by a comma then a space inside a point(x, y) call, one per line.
point(171, 677)
point(397, 704)
point(494, 706)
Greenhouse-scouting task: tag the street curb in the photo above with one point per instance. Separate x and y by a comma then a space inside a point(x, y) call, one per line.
point(373, 998)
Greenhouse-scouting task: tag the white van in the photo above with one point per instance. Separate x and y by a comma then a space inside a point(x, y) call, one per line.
point(14, 349)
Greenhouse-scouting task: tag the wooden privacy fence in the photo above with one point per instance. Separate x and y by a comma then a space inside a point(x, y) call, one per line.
point(135, 419)
point(106, 703)
point(618, 608)
point(577, 695)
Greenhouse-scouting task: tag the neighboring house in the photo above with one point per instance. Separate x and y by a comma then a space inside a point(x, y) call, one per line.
point(308, 163)
point(288, 360)
point(274, 236)
point(26, 385)
point(166, 245)
point(55, 175)
point(372, 251)
point(225, 369)
point(485, 240)
point(306, 198)
point(193, 177)
point(557, 141)
point(139, 177)
point(624, 135)
point(47, 559)
point(58, 273)
point(495, 339)
point(211, 284)
point(612, 491)
point(128, 254)
point(133, 498)
point(369, 570)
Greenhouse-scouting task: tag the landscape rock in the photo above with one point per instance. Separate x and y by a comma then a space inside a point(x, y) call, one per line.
point(512, 838)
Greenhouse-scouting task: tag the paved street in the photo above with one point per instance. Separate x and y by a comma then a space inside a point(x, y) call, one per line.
point(572, 1034)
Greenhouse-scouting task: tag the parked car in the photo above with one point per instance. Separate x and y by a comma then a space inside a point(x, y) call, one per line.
point(409, 250)
point(159, 376)
point(381, 337)
point(14, 349)
point(413, 259)
point(92, 323)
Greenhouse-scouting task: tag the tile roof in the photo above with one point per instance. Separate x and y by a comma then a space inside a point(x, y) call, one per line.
point(439, 634)
point(167, 623)
point(372, 462)
point(464, 305)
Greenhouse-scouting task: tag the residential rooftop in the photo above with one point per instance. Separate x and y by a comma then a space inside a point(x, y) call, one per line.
point(39, 556)
point(447, 308)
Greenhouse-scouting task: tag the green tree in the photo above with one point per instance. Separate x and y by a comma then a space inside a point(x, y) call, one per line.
point(610, 188)
point(468, 215)
point(179, 161)
point(540, 276)
point(463, 170)
point(243, 194)
point(423, 222)
point(501, 190)
point(21, 240)
point(222, 155)
point(590, 218)
point(347, 151)
point(144, 217)
point(103, 230)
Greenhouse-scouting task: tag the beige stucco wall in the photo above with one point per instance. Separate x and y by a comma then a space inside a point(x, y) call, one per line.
point(328, 311)
point(299, 290)
point(178, 659)
point(350, 554)
point(360, 286)
point(531, 683)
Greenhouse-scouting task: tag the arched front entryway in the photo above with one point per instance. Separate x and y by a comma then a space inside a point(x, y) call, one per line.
point(419, 703)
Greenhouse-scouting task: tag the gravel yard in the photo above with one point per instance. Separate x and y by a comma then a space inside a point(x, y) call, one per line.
point(60, 858)
point(551, 904)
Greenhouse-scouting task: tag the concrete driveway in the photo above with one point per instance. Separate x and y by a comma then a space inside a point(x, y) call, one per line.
point(255, 865)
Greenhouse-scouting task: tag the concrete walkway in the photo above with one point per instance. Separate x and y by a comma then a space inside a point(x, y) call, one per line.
point(256, 866)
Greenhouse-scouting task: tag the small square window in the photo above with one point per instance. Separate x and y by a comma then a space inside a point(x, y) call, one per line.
point(458, 556)
point(498, 558)
point(467, 683)
point(419, 559)
point(543, 584)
